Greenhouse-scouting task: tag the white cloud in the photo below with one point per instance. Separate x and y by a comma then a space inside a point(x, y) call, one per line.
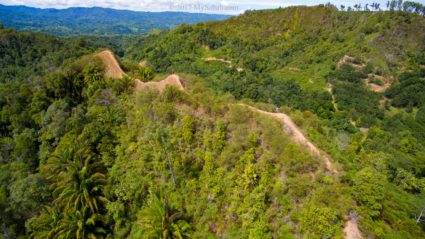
point(211, 6)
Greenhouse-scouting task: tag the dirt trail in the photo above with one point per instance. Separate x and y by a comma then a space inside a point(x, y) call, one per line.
point(113, 70)
point(329, 89)
point(222, 60)
point(218, 59)
point(112, 67)
point(298, 136)
point(351, 231)
point(170, 80)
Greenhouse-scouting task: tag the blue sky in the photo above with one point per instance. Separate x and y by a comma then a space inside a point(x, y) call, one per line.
point(210, 6)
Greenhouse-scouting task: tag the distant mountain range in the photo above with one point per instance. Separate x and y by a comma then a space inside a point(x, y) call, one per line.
point(96, 20)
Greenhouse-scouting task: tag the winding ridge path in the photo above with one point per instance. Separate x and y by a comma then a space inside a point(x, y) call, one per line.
point(113, 70)
point(351, 230)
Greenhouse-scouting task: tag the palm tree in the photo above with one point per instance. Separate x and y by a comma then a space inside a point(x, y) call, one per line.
point(57, 162)
point(44, 225)
point(77, 183)
point(81, 184)
point(80, 224)
point(157, 223)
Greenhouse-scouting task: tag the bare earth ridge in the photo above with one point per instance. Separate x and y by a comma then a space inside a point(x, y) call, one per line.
point(170, 80)
point(113, 70)
point(112, 67)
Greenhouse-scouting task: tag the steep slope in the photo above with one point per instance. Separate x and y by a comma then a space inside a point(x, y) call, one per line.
point(269, 44)
point(112, 67)
point(371, 118)
point(220, 169)
point(113, 70)
point(351, 231)
point(292, 130)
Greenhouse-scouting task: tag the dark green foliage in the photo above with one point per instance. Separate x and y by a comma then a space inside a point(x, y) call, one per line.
point(322, 221)
point(352, 96)
point(158, 220)
point(26, 56)
point(420, 116)
point(368, 186)
point(116, 43)
point(409, 91)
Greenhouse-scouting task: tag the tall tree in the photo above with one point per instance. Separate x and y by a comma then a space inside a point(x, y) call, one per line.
point(157, 222)
point(77, 183)
point(81, 184)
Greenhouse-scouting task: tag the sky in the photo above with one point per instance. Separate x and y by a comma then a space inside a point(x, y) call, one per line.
point(205, 6)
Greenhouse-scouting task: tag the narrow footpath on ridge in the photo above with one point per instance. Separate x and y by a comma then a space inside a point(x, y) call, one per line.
point(113, 70)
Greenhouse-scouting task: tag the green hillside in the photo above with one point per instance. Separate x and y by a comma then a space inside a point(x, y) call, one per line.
point(297, 48)
point(362, 73)
point(86, 156)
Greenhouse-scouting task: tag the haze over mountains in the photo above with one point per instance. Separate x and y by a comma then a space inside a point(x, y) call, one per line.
point(96, 20)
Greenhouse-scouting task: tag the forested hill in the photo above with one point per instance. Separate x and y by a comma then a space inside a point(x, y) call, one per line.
point(362, 73)
point(295, 56)
point(95, 20)
point(84, 155)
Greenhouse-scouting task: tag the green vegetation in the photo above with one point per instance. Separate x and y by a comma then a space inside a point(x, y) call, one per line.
point(85, 156)
point(407, 93)
point(28, 56)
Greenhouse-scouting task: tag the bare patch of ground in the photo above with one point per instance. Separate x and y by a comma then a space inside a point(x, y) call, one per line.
point(222, 60)
point(378, 88)
point(372, 86)
point(364, 129)
point(142, 63)
point(112, 67)
point(113, 70)
point(351, 230)
point(160, 85)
